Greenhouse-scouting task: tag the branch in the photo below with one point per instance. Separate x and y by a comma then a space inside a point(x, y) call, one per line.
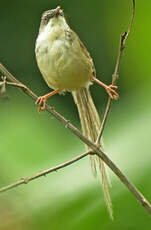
point(25, 180)
point(115, 75)
point(138, 195)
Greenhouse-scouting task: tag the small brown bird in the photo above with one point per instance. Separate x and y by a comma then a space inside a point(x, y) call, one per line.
point(66, 65)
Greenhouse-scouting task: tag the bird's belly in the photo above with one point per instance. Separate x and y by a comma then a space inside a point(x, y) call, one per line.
point(62, 67)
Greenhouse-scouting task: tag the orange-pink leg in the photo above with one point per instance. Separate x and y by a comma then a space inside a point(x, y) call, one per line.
point(110, 89)
point(41, 101)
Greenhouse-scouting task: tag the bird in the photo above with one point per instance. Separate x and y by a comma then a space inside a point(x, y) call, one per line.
point(66, 65)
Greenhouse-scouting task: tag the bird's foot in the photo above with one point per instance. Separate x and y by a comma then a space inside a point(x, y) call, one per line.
point(110, 89)
point(41, 101)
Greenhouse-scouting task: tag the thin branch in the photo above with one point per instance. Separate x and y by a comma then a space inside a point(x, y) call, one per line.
point(15, 85)
point(25, 180)
point(138, 195)
point(115, 75)
point(3, 84)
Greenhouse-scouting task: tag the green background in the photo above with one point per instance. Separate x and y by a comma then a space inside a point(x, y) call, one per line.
point(71, 198)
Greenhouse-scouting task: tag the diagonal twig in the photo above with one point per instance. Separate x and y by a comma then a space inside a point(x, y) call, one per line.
point(25, 180)
point(115, 75)
point(95, 149)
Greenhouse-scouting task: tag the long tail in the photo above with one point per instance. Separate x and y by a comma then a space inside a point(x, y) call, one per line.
point(90, 123)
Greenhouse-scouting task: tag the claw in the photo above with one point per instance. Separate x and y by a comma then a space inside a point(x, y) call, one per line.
point(111, 91)
point(41, 102)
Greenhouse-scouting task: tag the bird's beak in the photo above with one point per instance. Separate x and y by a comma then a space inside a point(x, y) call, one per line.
point(58, 11)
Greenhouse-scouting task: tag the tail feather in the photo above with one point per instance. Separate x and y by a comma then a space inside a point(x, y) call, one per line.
point(105, 184)
point(90, 123)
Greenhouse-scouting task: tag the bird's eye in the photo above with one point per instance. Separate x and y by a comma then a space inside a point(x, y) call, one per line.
point(47, 18)
point(61, 12)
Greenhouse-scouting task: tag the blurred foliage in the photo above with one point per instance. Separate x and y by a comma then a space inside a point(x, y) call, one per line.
point(71, 198)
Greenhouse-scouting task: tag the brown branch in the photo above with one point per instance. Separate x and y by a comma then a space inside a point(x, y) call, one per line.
point(25, 180)
point(3, 84)
point(115, 75)
point(138, 195)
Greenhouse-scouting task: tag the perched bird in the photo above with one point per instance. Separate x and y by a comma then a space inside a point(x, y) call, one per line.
point(66, 65)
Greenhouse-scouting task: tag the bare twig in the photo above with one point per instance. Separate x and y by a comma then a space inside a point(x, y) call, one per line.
point(3, 84)
point(15, 85)
point(143, 201)
point(115, 75)
point(25, 180)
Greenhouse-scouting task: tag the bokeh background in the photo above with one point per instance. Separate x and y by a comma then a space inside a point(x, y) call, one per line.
point(71, 198)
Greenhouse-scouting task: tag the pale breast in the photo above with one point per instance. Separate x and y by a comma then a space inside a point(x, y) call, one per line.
point(61, 61)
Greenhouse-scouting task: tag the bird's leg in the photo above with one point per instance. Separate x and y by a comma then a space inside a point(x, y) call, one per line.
point(110, 89)
point(41, 101)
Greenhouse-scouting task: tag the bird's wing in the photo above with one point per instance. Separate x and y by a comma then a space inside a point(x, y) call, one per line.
point(73, 36)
